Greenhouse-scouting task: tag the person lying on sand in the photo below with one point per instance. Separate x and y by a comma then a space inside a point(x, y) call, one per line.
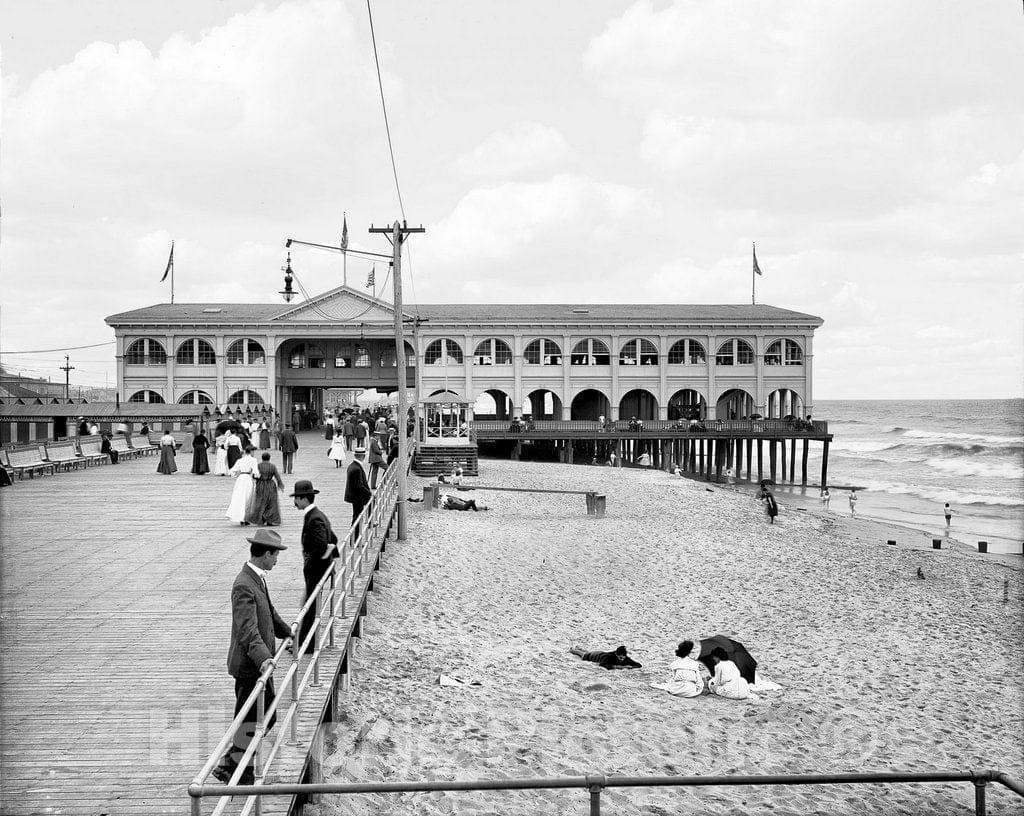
point(619, 659)
point(687, 674)
point(455, 503)
point(727, 681)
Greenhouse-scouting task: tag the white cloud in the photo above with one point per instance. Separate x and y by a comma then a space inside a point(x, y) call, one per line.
point(524, 146)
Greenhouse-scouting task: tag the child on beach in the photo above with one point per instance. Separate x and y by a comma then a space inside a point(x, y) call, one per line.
point(771, 507)
point(619, 659)
point(853, 502)
point(947, 511)
point(825, 498)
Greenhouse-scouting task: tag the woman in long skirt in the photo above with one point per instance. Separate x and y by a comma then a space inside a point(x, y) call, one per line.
point(233, 445)
point(200, 462)
point(241, 496)
point(220, 466)
point(337, 451)
point(190, 433)
point(167, 446)
point(264, 436)
point(265, 508)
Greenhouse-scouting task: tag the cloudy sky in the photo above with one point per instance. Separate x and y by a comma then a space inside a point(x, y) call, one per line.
point(556, 152)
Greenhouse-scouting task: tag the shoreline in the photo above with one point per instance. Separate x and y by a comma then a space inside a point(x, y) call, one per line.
point(787, 495)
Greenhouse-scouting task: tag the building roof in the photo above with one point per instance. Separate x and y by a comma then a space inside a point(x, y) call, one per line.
point(346, 304)
point(99, 410)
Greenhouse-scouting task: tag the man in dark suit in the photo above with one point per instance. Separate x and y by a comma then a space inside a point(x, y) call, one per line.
point(357, 489)
point(289, 444)
point(254, 625)
point(318, 550)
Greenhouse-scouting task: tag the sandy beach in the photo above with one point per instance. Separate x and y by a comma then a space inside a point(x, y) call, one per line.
point(879, 669)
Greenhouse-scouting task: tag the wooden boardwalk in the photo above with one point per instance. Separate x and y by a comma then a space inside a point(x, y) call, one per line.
point(115, 598)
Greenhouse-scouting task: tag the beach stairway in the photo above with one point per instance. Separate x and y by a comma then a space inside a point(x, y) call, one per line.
point(433, 460)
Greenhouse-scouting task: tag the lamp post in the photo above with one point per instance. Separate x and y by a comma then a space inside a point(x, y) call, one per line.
point(398, 232)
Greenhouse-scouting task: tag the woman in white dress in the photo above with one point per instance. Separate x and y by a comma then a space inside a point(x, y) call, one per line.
point(243, 471)
point(687, 679)
point(727, 681)
point(220, 465)
point(337, 450)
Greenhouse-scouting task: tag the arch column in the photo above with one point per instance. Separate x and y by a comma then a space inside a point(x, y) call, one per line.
point(171, 359)
point(663, 395)
point(566, 377)
point(517, 374)
point(760, 397)
point(613, 361)
point(711, 344)
point(221, 396)
point(270, 354)
point(119, 358)
point(808, 357)
point(467, 364)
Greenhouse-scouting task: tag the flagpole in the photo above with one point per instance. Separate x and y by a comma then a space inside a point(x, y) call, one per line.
point(753, 279)
point(172, 279)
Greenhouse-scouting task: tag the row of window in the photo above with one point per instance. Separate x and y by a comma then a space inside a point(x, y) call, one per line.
point(194, 351)
point(445, 351)
point(245, 397)
point(594, 352)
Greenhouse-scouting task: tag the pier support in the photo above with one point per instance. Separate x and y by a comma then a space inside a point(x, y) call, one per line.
point(773, 459)
point(792, 460)
point(739, 458)
point(782, 476)
point(824, 464)
point(803, 464)
point(760, 460)
point(750, 456)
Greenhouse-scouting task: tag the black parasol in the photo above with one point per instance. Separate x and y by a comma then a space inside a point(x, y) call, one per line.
point(227, 424)
point(737, 652)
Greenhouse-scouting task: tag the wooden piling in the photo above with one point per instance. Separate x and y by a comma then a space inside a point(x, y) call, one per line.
point(739, 458)
point(760, 460)
point(824, 463)
point(792, 460)
point(782, 475)
point(701, 470)
point(803, 464)
point(750, 456)
point(773, 459)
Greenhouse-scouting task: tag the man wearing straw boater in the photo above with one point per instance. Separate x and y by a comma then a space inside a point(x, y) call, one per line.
point(318, 550)
point(254, 623)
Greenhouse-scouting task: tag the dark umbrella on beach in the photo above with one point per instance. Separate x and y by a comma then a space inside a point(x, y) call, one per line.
point(225, 424)
point(737, 652)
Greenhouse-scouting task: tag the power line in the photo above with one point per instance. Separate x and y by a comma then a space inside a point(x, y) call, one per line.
point(66, 348)
point(387, 128)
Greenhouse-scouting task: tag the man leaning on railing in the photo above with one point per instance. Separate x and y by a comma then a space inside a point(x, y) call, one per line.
point(254, 623)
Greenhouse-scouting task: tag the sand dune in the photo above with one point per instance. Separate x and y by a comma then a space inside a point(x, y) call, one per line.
point(880, 670)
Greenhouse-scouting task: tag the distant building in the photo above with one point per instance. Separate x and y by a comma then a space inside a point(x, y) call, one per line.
point(546, 361)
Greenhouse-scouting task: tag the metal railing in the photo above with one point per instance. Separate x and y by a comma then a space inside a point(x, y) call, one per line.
point(651, 427)
point(330, 602)
point(595, 784)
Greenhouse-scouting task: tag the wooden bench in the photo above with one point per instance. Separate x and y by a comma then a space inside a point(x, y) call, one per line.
point(141, 443)
point(595, 501)
point(27, 460)
point(120, 444)
point(5, 464)
point(63, 455)
point(89, 447)
point(156, 436)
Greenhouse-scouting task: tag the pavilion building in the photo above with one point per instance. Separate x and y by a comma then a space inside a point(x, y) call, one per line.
point(544, 361)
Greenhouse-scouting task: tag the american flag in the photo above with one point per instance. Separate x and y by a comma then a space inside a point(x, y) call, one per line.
point(371, 277)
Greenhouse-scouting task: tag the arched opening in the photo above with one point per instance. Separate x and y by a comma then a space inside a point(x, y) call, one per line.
point(784, 402)
point(735, 404)
point(492, 351)
point(493, 404)
point(687, 404)
point(245, 352)
point(590, 351)
point(638, 403)
point(543, 352)
point(245, 397)
point(195, 351)
point(444, 352)
point(145, 396)
point(145, 351)
point(639, 351)
point(590, 404)
point(784, 352)
point(542, 404)
point(195, 398)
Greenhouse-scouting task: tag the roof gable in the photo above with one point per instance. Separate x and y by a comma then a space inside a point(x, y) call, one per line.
point(342, 303)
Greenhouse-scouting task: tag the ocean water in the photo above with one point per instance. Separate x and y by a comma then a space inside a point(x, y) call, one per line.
point(908, 457)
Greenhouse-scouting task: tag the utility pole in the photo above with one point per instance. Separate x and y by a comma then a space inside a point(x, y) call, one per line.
point(67, 368)
point(398, 233)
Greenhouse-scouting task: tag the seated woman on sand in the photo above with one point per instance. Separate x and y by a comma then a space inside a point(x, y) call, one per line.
point(727, 681)
point(619, 659)
point(687, 677)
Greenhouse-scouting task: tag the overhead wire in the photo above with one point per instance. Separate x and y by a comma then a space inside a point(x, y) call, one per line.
point(391, 149)
point(68, 348)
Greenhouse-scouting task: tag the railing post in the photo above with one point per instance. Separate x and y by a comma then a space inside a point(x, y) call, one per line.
point(293, 735)
point(594, 784)
point(979, 796)
point(333, 607)
point(258, 736)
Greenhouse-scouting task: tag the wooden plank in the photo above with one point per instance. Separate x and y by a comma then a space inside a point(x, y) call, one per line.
point(116, 619)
